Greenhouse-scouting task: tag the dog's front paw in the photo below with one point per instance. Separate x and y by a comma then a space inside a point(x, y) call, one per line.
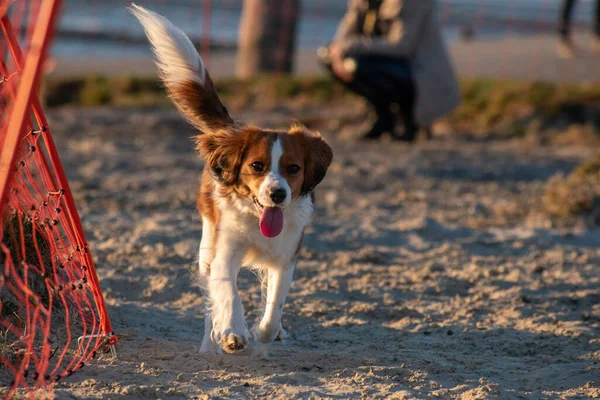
point(234, 342)
point(269, 333)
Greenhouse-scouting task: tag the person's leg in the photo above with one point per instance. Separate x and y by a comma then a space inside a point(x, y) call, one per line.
point(597, 21)
point(596, 38)
point(405, 92)
point(565, 48)
point(406, 108)
point(373, 90)
point(565, 19)
point(394, 82)
point(384, 81)
point(384, 123)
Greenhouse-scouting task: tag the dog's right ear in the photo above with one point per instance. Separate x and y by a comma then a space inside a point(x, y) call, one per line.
point(223, 152)
point(183, 72)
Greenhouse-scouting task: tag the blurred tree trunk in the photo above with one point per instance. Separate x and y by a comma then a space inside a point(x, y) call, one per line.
point(267, 38)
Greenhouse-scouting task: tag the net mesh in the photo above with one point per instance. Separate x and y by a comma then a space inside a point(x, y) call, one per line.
point(53, 317)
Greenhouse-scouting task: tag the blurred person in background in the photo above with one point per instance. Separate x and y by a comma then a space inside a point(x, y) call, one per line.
point(566, 48)
point(392, 53)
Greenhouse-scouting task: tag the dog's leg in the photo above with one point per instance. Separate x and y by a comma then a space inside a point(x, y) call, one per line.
point(229, 327)
point(205, 259)
point(209, 346)
point(279, 280)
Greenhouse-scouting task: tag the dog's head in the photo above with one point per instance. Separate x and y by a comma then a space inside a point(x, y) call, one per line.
point(270, 167)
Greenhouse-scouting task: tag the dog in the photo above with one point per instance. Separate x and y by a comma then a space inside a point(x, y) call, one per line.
point(255, 198)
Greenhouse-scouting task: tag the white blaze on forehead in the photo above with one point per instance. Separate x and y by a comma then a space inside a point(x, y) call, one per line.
point(273, 179)
point(276, 153)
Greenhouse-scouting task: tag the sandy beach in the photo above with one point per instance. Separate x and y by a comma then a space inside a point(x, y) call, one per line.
point(427, 271)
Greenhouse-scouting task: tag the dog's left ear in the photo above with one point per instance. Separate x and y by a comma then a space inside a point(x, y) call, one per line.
point(317, 158)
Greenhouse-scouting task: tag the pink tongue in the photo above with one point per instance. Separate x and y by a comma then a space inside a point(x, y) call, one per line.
point(271, 221)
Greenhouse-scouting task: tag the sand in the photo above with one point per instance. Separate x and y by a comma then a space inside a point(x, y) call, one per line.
point(414, 282)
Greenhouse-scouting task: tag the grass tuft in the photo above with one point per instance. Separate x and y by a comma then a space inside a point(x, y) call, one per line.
point(17, 226)
point(577, 194)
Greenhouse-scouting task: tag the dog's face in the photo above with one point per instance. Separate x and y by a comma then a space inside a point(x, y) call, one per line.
point(267, 169)
point(272, 168)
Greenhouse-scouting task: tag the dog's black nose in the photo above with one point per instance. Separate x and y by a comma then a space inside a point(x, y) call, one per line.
point(278, 195)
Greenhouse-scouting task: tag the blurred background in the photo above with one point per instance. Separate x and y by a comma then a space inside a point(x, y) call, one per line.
point(491, 38)
point(514, 81)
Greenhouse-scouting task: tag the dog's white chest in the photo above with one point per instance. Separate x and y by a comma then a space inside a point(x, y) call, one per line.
point(261, 249)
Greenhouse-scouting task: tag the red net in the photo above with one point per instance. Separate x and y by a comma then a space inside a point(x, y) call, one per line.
point(53, 317)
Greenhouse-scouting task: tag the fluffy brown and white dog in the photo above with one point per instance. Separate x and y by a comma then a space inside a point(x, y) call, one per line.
point(255, 197)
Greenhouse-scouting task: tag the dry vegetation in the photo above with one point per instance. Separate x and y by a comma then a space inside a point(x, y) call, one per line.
point(16, 227)
point(519, 109)
point(13, 347)
point(577, 194)
point(35, 249)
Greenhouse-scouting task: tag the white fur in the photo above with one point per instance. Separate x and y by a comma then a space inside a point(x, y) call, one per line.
point(205, 259)
point(176, 57)
point(279, 280)
point(240, 243)
point(226, 310)
point(273, 180)
point(207, 247)
point(276, 153)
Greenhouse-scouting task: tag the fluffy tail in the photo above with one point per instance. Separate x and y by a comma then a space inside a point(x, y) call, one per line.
point(183, 72)
point(176, 57)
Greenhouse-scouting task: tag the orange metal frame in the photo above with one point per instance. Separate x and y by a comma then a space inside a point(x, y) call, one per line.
point(29, 74)
point(26, 100)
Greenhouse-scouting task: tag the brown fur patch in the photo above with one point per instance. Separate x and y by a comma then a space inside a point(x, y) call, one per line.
point(227, 151)
point(259, 149)
point(317, 156)
point(200, 104)
point(293, 154)
point(205, 203)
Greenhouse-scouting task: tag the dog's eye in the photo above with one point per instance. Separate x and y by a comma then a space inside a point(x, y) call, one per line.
point(258, 166)
point(293, 169)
